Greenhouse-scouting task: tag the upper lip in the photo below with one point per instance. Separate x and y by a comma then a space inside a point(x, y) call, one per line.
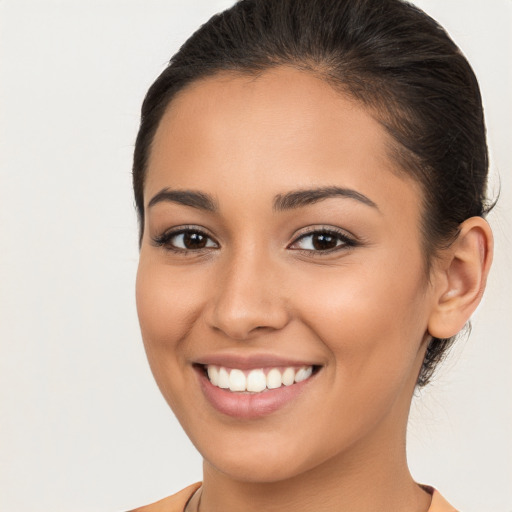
point(252, 361)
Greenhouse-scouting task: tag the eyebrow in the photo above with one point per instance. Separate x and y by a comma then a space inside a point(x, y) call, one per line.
point(282, 202)
point(300, 198)
point(192, 198)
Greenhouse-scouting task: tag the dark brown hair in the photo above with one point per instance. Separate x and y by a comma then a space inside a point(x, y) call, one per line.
point(389, 55)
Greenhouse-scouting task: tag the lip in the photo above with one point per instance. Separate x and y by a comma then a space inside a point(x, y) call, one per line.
point(250, 406)
point(252, 362)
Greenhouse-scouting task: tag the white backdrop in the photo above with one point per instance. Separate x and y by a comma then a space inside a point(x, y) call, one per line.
point(82, 425)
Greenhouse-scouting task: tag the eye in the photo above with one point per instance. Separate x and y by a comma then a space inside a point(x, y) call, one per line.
point(185, 240)
point(323, 240)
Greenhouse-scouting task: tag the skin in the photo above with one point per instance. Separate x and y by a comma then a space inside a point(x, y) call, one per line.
point(362, 313)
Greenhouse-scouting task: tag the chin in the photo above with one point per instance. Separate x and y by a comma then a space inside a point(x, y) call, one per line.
point(260, 470)
point(262, 458)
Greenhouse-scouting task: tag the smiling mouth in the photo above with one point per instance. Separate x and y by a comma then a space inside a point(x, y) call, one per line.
point(256, 380)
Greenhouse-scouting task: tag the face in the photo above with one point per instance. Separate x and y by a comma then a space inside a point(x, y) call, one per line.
point(282, 256)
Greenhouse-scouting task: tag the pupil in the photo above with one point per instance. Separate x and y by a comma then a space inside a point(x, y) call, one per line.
point(324, 242)
point(194, 241)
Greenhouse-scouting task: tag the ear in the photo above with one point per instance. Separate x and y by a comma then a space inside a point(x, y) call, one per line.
point(460, 278)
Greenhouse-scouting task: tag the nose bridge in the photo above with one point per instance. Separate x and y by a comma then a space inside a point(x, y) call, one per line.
point(248, 296)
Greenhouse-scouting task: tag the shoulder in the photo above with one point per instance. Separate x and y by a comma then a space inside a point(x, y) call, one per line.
point(174, 503)
point(438, 504)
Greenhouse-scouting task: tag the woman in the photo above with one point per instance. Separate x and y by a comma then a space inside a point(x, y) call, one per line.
point(310, 180)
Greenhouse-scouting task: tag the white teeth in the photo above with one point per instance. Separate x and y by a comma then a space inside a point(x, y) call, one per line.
point(274, 379)
point(303, 374)
point(255, 381)
point(288, 376)
point(223, 378)
point(213, 375)
point(237, 381)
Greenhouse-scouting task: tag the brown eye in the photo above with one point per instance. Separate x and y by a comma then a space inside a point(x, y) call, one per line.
point(190, 240)
point(323, 241)
point(184, 240)
point(193, 240)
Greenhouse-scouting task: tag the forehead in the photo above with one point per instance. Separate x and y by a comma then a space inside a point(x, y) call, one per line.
point(282, 129)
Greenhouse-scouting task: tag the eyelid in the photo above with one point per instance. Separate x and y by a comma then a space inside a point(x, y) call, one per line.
point(163, 239)
point(348, 239)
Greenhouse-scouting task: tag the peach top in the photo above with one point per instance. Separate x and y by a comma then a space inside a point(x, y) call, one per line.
point(178, 501)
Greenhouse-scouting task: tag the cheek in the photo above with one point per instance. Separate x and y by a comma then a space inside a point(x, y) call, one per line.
point(167, 306)
point(167, 301)
point(372, 331)
point(372, 320)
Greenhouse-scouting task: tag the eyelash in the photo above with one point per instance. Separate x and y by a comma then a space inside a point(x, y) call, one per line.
point(346, 241)
point(165, 239)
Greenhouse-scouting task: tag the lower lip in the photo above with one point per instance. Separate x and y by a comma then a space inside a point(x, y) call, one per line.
point(250, 405)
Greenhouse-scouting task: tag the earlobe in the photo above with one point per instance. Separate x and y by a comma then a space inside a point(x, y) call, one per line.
point(461, 281)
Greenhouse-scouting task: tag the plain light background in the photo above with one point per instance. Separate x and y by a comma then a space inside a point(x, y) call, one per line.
point(82, 424)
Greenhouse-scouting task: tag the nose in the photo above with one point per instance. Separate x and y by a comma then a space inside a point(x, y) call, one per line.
point(249, 298)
